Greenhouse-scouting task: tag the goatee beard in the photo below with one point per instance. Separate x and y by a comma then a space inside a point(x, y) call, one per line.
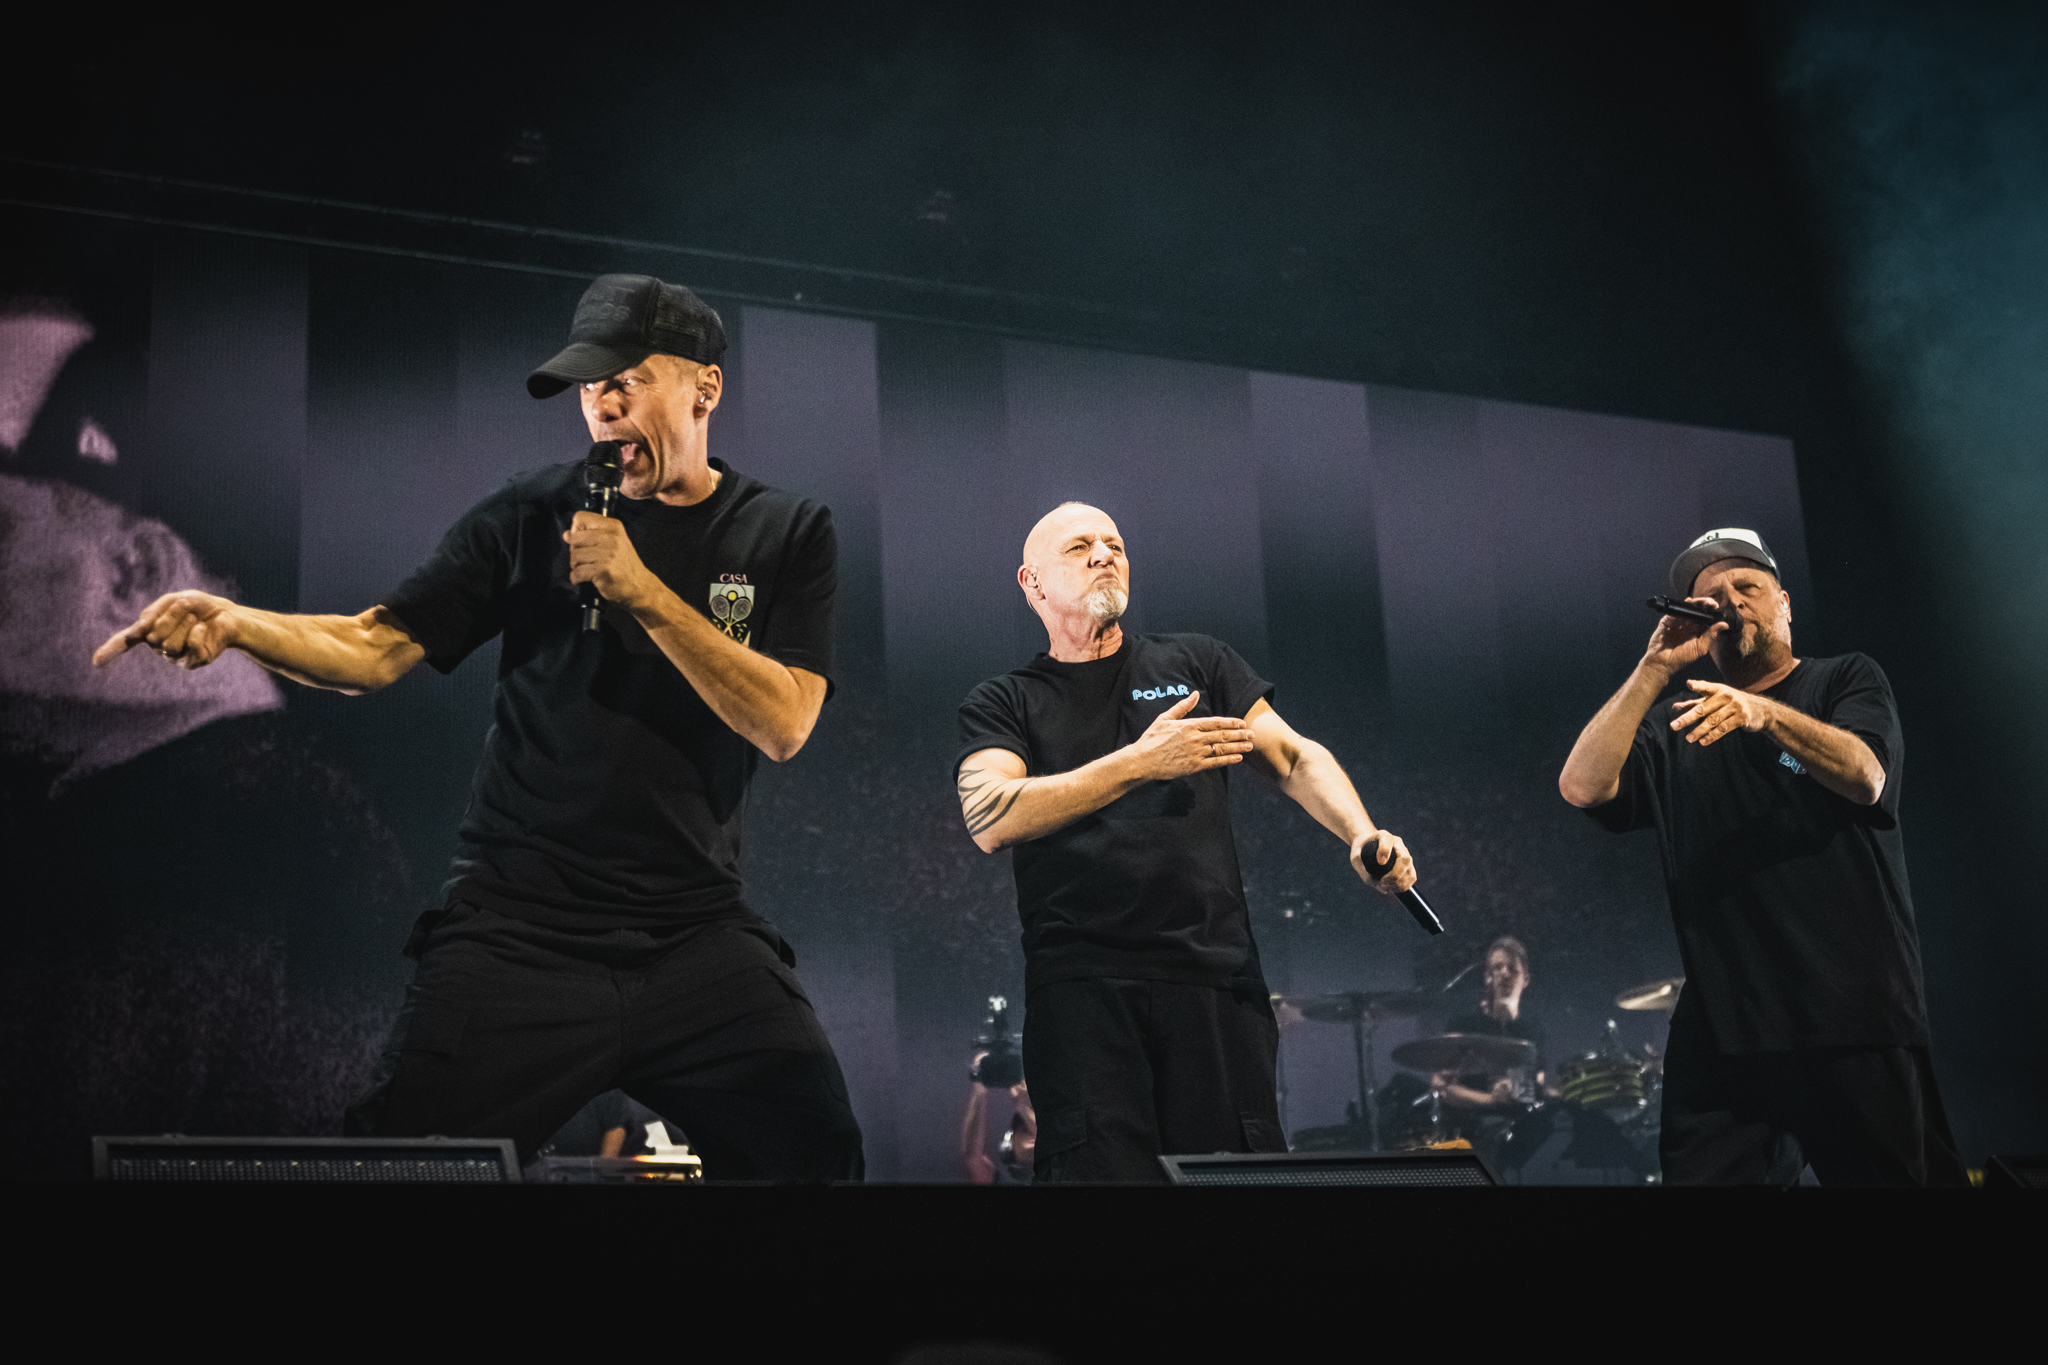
point(1107, 604)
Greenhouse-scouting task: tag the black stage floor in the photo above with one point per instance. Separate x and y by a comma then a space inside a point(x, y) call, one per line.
point(1091, 1275)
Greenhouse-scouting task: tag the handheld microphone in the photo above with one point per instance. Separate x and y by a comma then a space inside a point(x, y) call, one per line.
point(601, 478)
point(1698, 615)
point(1411, 898)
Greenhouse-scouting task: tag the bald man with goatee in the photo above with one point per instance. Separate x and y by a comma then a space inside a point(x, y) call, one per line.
point(1105, 762)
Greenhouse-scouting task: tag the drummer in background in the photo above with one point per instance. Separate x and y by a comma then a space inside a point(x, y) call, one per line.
point(1499, 1015)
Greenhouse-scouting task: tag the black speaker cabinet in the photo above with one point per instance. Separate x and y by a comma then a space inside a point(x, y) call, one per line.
point(2016, 1173)
point(1434, 1169)
point(301, 1160)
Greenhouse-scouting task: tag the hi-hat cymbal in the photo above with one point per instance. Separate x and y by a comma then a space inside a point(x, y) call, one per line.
point(1459, 1051)
point(1341, 1007)
point(1651, 995)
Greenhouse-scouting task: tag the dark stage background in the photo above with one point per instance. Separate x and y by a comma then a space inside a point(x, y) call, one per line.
point(1228, 283)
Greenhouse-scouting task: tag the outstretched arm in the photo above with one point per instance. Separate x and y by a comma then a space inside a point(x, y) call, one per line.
point(1002, 806)
point(1312, 778)
point(352, 654)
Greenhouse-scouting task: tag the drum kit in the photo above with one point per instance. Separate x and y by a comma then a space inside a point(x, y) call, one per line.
point(1608, 1092)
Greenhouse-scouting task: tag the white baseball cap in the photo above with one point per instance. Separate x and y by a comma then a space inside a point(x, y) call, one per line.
point(1729, 542)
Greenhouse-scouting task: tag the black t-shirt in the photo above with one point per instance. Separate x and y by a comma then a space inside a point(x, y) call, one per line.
point(1794, 917)
point(609, 794)
point(1521, 1026)
point(1148, 886)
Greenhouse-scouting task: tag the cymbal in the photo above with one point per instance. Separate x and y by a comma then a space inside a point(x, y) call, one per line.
point(1651, 995)
point(1341, 1007)
point(1456, 1051)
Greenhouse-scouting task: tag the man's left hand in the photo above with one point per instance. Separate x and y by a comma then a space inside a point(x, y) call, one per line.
point(601, 552)
point(1720, 711)
point(1389, 859)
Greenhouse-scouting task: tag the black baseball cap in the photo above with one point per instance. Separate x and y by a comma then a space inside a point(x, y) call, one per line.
point(1730, 542)
point(623, 319)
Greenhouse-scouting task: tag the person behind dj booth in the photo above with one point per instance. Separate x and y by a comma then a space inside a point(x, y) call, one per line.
point(1499, 1014)
point(1801, 1035)
point(1103, 763)
point(595, 933)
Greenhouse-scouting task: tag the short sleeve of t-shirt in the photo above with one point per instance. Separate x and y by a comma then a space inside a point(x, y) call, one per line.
point(1860, 701)
point(798, 632)
point(1631, 808)
point(992, 717)
point(1237, 687)
point(455, 601)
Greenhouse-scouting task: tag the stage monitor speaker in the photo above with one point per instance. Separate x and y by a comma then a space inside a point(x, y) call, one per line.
point(308, 1161)
point(1439, 1169)
point(2016, 1173)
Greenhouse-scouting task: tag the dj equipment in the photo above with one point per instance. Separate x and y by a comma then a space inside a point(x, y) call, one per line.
point(614, 1170)
point(601, 478)
point(1437, 1169)
point(307, 1160)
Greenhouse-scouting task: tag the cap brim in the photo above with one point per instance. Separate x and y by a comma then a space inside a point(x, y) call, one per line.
point(581, 362)
point(1687, 566)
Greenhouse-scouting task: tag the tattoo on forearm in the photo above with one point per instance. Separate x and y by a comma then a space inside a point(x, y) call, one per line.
point(983, 800)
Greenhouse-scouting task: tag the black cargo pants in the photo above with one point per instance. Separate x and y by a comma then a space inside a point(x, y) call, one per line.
point(1123, 1072)
point(509, 1028)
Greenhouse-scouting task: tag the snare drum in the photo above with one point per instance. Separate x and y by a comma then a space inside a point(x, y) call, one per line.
point(1598, 1080)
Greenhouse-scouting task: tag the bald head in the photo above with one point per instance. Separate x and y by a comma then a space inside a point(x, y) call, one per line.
point(1074, 569)
point(1069, 518)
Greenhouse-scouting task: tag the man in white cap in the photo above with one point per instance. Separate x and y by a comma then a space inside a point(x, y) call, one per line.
point(594, 934)
point(1801, 1036)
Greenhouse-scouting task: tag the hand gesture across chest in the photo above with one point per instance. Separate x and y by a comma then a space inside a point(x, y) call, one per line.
point(1174, 746)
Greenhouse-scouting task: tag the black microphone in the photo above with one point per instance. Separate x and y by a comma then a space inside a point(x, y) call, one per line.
point(1411, 898)
point(1698, 615)
point(601, 478)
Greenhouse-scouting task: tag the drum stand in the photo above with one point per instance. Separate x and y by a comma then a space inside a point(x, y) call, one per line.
point(1362, 1025)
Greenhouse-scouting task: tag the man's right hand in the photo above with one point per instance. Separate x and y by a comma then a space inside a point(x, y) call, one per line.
point(1174, 746)
point(1677, 643)
point(191, 629)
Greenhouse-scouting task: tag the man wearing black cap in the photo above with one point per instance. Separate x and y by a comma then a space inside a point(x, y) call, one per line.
point(1801, 1036)
point(594, 935)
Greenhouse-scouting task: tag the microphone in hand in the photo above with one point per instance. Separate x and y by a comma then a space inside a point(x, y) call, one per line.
point(1411, 898)
point(602, 475)
point(1703, 617)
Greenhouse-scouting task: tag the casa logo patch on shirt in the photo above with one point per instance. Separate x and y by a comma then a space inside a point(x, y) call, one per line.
point(1155, 693)
point(732, 602)
point(1790, 762)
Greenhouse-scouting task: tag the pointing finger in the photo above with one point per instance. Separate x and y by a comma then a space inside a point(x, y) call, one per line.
point(117, 644)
